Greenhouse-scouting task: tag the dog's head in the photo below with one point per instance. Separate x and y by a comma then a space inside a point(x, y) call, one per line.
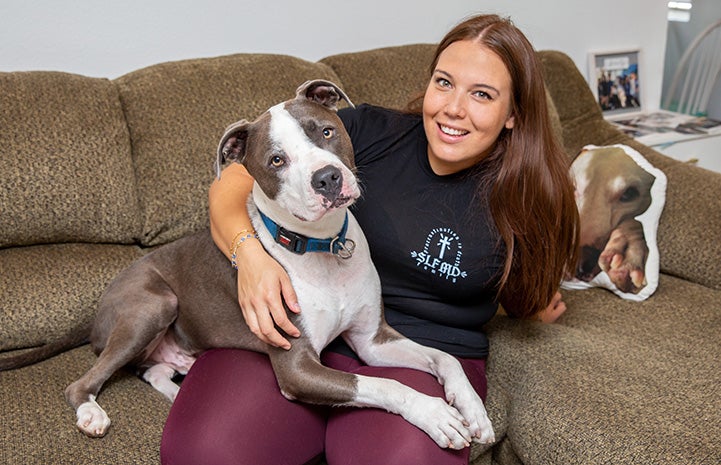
point(610, 188)
point(298, 152)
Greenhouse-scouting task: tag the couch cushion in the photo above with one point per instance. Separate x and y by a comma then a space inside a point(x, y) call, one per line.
point(388, 77)
point(38, 427)
point(615, 381)
point(65, 159)
point(177, 113)
point(47, 291)
point(689, 233)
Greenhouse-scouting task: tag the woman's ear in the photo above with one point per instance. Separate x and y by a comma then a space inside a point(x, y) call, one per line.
point(510, 122)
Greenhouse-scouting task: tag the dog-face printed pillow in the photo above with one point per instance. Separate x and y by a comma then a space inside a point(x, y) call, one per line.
point(620, 197)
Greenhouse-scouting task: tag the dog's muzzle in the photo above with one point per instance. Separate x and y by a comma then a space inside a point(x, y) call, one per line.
point(328, 182)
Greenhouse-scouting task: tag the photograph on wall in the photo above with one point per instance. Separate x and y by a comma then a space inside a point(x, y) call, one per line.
point(615, 81)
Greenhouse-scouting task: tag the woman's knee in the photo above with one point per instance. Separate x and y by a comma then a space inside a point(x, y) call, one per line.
point(356, 436)
point(230, 411)
point(365, 436)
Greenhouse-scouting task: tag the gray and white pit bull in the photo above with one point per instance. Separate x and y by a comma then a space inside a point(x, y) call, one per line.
point(180, 300)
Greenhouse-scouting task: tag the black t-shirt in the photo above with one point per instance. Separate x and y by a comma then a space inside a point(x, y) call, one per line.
point(431, 237)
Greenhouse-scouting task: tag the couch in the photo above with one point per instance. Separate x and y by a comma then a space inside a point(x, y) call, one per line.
point(96, 172)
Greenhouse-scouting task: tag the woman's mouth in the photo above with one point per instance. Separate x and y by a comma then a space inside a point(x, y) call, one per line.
point(452, 132)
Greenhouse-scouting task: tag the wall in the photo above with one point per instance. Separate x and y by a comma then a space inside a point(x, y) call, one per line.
point(108, 39)
point(680, 36)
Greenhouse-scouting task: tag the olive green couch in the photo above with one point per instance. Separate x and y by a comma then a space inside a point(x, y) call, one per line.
point(95, 172)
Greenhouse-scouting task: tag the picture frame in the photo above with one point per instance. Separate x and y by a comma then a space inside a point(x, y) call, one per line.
point(615, 78)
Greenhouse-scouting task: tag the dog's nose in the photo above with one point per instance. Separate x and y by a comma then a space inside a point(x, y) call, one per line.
point(588, 267)
point(328, 182)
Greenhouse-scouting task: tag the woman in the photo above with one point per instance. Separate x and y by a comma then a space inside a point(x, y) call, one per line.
point(467, 203)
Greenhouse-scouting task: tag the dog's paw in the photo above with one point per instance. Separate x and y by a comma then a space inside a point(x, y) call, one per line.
point(441, 421)
point(624, 258)
point(624, 275)
point(470, 405)
point(92, 419)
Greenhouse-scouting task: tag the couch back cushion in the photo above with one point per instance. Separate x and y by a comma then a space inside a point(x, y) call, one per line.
point(178, 111)
point(388, 77)
point(65, 160)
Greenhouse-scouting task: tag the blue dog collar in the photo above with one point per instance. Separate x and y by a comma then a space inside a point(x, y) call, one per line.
point(300, 244)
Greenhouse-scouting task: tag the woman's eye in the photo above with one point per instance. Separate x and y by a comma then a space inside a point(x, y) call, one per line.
point(277, 161)
point(483, 95)
point(328, 133)
point(443, 82)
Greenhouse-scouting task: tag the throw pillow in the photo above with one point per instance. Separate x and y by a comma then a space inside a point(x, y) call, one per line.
point(620, 197)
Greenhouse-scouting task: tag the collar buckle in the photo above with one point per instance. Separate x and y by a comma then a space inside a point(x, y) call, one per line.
point(294, 242)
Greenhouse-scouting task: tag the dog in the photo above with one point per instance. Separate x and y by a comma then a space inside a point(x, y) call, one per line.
point(611, 191)
point(180, 300)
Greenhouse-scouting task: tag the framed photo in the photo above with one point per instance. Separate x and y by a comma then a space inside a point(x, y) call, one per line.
point(615, 80)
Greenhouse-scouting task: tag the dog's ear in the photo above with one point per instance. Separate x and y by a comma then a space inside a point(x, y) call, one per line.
point(323, 92)
point(232, 145)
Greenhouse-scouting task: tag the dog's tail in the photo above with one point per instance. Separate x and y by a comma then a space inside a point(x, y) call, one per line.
point(28, 355)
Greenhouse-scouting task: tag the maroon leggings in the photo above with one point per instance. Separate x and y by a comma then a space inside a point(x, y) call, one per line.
point(230, 411)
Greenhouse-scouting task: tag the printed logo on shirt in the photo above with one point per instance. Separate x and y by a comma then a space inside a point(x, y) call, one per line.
point(441, 254)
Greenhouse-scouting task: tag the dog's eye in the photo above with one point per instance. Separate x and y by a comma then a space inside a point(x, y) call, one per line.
point(328, 133)
point(277, 161)
point(630, 194)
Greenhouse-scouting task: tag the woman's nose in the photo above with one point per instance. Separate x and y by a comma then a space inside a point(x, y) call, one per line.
point(456, 105)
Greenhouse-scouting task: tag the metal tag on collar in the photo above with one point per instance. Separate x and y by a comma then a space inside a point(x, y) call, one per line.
point(345, 249)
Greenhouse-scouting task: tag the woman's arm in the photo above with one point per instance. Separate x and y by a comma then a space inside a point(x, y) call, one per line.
point(263, 284)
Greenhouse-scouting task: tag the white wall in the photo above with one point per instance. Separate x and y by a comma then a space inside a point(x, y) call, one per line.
point(108, 39)
point(679, 37)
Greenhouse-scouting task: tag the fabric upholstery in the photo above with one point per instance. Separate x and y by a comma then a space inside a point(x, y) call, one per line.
point(38, 427)
point(49, 291)
point(688, 235)
point(392, 76)
point(67, 172)
point(614, 381)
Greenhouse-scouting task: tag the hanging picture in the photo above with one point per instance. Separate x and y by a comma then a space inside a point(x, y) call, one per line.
point(616, 81)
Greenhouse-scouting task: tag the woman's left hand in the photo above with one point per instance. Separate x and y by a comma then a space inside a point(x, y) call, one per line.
point(554, 310)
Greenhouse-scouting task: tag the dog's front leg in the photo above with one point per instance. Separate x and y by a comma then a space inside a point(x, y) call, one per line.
point(302, 377)
point(398, 351)
point(624, 257)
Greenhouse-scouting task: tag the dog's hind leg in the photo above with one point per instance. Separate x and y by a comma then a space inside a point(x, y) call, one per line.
point(127, 328)
point(160, 376)
point(166, 360)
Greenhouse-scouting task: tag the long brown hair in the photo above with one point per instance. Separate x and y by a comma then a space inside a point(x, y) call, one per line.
point(531, 196)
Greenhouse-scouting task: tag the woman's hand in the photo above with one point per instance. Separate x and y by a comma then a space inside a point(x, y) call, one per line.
point(554, 310)
point(263, 286)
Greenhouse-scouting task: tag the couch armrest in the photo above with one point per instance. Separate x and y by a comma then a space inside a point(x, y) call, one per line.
point(689, 233)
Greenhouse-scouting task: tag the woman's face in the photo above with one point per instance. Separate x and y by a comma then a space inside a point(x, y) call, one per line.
point(466, 105)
